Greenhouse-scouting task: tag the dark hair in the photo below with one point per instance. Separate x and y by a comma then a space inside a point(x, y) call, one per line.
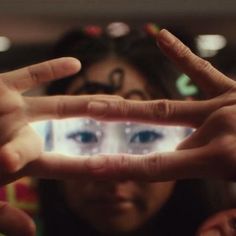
point(137, 48)
point(187, 207)
point(225, 62)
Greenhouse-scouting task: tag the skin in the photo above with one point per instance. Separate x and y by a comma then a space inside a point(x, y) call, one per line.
point(209, 152)
point(220, 224)
point(16, 113)
point(125, 205)
point(101, 71)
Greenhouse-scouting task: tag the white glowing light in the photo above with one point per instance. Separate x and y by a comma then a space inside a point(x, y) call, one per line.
point(127, 130)
point(208, 45)
point(99, 133)
point(94, 150)
point(117, 29)
point(4, 43)
point(145, 151)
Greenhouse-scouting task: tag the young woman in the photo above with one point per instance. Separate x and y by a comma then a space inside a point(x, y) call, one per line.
point(120, 61)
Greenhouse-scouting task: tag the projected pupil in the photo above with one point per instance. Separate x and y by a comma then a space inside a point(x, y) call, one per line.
point(84, 137)
point(141, 137)
point(146, 137)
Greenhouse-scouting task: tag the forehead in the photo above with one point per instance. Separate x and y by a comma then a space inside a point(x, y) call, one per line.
point(105, 67)
point(113, 72)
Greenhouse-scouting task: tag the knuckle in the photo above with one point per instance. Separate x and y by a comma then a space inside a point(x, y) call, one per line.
point(60, 108)
point(34, 76)
point(10, 160)
point(154, 165)
point(224, 117)
point(181, 50)
point(123, 108)
point(161, 109)
point(119, 164)
point(203, 65)
point(51, 69)
point(127, 165)
point(123, 161)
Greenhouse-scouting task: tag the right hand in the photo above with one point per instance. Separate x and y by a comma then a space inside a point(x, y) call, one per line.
point(19, 144)
point(209, 152)
point(21, 149)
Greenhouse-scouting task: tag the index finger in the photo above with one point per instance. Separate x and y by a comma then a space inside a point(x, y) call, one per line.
point(31, 76)
point(180, 164)
point(62, 106)
point(209, 79)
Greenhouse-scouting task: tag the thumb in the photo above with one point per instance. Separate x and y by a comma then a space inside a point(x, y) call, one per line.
point(14, 222)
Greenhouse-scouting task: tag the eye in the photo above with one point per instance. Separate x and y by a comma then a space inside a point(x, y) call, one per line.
point(146, 136)
point(83, 137)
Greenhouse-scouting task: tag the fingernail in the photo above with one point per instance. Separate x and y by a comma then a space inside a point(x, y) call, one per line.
point(70, 65)
point(97, 108)
point(211, 232)
point(166, 37)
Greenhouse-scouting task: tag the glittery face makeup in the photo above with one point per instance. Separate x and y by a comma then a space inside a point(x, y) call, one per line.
point(110, 77)
point(79, 136)
point(125, 205)
point(114, 84)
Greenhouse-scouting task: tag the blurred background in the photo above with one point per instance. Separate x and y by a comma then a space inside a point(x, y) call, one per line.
point(29, 28)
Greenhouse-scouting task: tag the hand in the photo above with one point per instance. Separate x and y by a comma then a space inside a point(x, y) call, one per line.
point(17, 138)
point(220, 224)
point(208, 152)
point(14, 222)
point(21, 149)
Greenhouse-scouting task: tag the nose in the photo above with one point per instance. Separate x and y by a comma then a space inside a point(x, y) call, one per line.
point(112, 186)
point(114, 141)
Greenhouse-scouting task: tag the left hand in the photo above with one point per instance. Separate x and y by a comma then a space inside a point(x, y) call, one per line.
point(209, 152)
point(220, 224)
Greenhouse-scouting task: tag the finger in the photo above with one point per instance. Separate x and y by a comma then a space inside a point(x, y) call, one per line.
point(198, 138)
point(222, 223)
point(186, 113)
point(56, 166)
point(212, 232)
point(192, 163)
point(25, 147)
point(199, 70)
point(195, 140)
point(183, 164)
point(14, 222)
point(31, 76)
point(62, 106)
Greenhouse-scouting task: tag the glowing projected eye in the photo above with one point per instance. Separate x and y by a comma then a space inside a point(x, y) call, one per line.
point(83, 137)
point(145, 136)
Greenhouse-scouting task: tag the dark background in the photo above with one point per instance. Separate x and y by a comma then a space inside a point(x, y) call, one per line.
point(33, 26)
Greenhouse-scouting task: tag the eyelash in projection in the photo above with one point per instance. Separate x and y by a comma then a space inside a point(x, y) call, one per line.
point(146, 136)
point(83, 137)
